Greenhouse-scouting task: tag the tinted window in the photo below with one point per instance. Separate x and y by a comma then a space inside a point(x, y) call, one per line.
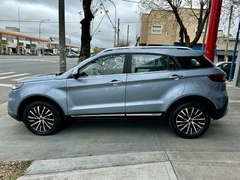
point(148, 62)
point(194, 62)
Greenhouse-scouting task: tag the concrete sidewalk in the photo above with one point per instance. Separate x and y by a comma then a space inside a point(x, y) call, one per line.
point(142, 165)
point(160, 165)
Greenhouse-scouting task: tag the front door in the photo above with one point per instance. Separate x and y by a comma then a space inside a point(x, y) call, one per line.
point(100, 88)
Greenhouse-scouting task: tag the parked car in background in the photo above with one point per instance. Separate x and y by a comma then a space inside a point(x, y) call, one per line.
point(225, 66)
point(47, 53)
point(72, 55)
point(175, 84)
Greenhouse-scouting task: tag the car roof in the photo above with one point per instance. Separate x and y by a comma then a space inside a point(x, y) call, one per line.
point(164, 50)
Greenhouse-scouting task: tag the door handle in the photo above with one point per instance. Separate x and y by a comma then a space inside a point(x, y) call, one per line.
point(115, 82)
point(175, 76)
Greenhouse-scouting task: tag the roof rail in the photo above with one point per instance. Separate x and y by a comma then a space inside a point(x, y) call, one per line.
point(148, 47)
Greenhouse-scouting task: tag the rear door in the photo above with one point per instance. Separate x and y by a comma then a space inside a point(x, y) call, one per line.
point(154, 82)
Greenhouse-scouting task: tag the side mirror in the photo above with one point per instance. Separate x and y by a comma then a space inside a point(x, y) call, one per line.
point(75, 72)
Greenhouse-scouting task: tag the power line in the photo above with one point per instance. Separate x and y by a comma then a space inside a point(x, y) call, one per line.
point(106, 12)
point(33, 21)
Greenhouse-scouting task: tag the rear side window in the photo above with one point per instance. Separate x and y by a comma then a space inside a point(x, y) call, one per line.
point(149, 62)
point(194, 62)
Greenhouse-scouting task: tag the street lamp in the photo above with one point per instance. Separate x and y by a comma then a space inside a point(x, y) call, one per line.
point(39, 30)
point(115, 23)
point(71, 41)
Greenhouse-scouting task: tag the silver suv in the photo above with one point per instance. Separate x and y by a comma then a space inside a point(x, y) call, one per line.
point(177, 84)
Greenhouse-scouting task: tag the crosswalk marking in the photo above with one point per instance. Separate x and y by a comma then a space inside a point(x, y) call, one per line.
point(18, 79)
point(5, 85)
point(5, 73)
point(15, 75)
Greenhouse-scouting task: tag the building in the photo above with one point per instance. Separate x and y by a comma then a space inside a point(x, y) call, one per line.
point(221, 46)
point(14, 42)
point(160, 28)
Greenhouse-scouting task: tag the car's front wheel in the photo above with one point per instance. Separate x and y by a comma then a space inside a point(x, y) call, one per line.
point(42, 118)
point(189, 120)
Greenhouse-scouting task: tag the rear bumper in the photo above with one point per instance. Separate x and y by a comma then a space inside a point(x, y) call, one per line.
point(219, 113)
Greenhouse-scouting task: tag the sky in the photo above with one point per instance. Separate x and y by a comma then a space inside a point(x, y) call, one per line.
point(32, 12)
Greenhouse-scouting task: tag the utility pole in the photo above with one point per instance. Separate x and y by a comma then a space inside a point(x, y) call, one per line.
point(61, 16)
point(18, 19)
point(229, 25)
point(234, 54)
point(118, 32)
point(205, 34)
point(127, 35)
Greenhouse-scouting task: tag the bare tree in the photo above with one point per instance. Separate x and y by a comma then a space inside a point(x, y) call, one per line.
point(86, 37)
point(174, 7)
point(123, 43)
point(225, 13)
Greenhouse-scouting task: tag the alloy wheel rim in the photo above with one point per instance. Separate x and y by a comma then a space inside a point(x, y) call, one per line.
point(41, 119)
point(190, 120)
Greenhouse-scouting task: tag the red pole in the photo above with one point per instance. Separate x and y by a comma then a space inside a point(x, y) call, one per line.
point(213, 28)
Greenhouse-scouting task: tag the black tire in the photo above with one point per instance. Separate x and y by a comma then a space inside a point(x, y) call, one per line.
point(189, 120)
point(42, 118)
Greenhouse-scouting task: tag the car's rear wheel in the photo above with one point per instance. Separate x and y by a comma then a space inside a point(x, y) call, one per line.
point(42, 118)
point(189, 120)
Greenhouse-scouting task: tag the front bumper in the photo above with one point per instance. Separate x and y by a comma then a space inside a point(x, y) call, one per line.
point(13, 115)
point(13, 102)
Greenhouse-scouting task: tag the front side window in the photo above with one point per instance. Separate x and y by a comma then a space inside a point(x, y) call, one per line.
point(147, 63)
point(112, 64)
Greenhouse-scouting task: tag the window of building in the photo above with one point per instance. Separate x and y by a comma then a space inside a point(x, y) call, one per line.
point(157, 29)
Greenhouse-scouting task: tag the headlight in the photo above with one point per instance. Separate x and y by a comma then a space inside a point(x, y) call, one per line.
point(17, 85)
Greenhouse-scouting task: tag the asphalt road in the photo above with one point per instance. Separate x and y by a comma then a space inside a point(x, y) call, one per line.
point(215, 155)
point(14, 68)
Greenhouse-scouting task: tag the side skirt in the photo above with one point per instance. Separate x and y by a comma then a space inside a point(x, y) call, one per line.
point(118, 115)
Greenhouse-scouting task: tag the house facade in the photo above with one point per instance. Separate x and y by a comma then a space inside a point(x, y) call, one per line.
point(160, 28)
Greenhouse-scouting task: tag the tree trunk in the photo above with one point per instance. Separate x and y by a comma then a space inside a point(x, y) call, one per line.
point(86, 37)
point(183, 34)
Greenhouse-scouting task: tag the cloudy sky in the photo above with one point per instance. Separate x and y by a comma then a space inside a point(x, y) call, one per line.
point(32, 12)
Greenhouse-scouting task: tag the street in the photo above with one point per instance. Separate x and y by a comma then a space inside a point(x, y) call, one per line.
point(215, 155)
point(14, 68)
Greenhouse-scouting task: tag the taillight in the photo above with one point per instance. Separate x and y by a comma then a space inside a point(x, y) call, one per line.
point(218, 77)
